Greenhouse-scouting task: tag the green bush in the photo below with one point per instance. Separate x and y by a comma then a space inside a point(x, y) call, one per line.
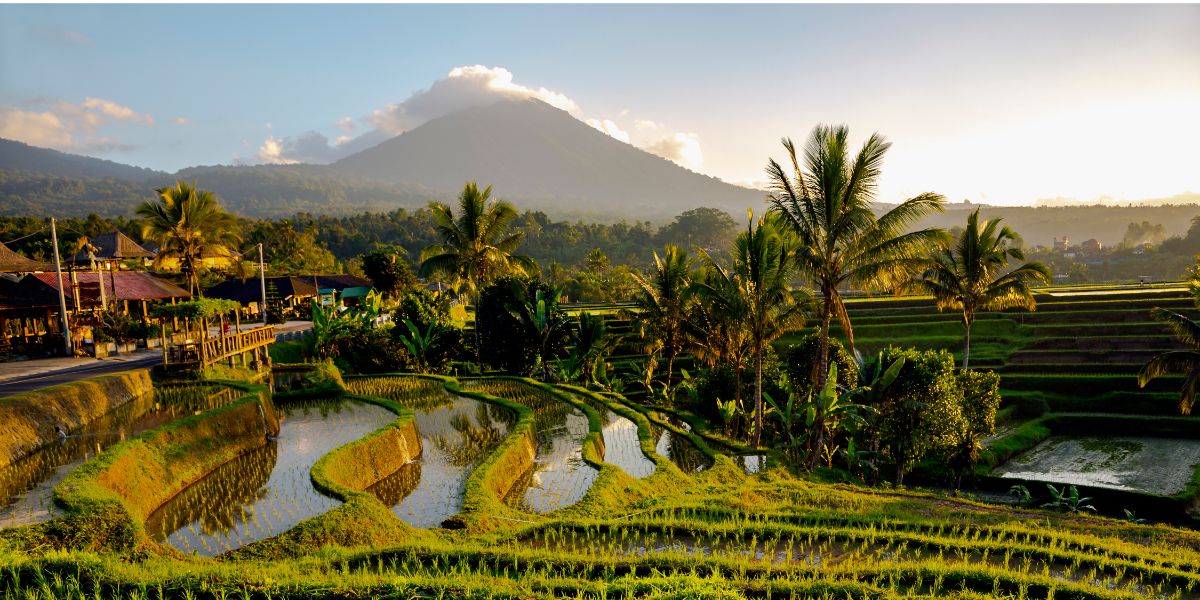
point(800, 360)
point(922, 410)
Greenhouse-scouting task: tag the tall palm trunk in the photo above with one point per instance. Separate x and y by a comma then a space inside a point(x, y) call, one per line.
point(967, 347)
point(758, 403)
point(478, 334)
point(823, 353)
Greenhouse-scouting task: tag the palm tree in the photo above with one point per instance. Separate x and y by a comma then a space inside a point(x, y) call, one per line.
point(1177, 361)
point(969, 275)
point(188, 225)
point(755, 291)
point(477, 245)
point(544, 325)
point(662, 302)
point(828, 204)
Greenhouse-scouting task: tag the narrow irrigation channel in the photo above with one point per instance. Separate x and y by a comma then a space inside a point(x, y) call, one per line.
point(457, 433)
point(27, 486)
point(559, 477)
point(267, 491)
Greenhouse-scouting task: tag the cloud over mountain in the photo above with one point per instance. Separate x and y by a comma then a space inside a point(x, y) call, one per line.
point(462, 88)
point(71, 126)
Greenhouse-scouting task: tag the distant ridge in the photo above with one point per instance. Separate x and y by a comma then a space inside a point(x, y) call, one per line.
point(541, 157)
point(19, 156)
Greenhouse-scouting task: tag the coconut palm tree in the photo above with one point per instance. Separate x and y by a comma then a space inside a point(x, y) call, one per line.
point(756, 292)
point(970, 274)
point(827, 201)
point(188, 225)
point(1186, 362)
point(477, 246)
point(662, 302)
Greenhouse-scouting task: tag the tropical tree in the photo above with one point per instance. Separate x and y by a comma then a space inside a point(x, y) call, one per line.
point(970, 274)
point(545, 327)
point(1186, 362)
point(188, 225)
point(662, 301)
point(478, 245)
point(593, 344)
point(827, 202)
point(756, 292)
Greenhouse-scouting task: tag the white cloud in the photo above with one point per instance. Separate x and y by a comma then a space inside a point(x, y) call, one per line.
point(272, 152)
point(680, 148)
point(609, 127)
point(647, 125)
point(68, 126)
point(116, 111)
point(181, 121)
point(462, 88)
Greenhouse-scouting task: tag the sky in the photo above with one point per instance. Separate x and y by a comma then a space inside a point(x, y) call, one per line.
point(1003, 104)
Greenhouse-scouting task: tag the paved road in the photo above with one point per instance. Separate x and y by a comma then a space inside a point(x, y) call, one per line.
point(33, 382)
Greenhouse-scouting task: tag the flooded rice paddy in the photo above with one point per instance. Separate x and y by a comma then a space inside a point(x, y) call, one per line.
point(559, 476)
point(677, 447)
point(1142, 464)
point(457, 434)
point(622, 448)
point(267, 491)
point(27, 486)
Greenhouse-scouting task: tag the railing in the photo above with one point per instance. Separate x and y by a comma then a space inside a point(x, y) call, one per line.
point(215, 349)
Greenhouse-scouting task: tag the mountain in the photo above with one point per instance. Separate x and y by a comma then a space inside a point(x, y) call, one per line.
point(541, 157)
point(16, 156)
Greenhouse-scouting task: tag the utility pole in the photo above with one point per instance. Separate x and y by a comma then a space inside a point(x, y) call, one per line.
point(62, 298)
point(262, 282)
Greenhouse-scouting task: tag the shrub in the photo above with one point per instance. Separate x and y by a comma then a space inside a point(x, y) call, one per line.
point(922, 410)
point(800, 359)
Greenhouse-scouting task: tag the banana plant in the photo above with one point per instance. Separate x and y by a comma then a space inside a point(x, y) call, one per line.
point(789, 414)
point(827, 415)
point(544, 325)
point(419, 344)
point(1068, 500)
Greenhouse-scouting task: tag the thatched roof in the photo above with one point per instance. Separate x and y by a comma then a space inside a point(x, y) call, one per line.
point(11, 262)
point(114, 246)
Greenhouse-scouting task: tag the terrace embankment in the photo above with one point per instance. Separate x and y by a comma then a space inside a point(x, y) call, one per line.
point(28, 421)
point(346, 473)
point(124, 485)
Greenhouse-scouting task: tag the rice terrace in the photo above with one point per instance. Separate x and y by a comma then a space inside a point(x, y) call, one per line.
point(626, 317)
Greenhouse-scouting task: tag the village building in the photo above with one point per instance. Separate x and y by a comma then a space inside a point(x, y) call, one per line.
point(292, 293)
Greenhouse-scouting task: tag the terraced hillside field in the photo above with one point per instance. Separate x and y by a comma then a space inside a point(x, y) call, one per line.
point(548, 492)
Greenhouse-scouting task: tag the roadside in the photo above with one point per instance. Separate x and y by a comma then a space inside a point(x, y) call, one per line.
point(26, 375)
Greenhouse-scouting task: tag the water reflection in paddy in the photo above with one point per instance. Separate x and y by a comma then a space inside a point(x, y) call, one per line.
point(622, 448)
point(559, 477)
point(267, 491)
point(27, 486)
point(678, 447)
point(456, 435)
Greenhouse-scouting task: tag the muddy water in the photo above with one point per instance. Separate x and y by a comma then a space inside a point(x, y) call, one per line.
point(1154, 465)
point(678, 448)
point(267, 491)
point(622, 448)
point(27, 486)
point(456, 435)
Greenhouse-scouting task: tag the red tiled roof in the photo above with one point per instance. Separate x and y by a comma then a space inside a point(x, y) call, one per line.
point(130, 285)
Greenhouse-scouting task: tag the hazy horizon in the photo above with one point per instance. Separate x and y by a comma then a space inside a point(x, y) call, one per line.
point(1001, 105)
